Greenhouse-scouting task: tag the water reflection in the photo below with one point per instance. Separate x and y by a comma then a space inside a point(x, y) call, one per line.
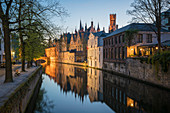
point(43, 103)
point(69, 78)
point(119, 94)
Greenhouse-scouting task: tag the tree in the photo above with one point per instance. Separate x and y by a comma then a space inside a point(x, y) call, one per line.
point(13, 14)
point(149, 11)
point(5, 6)
point(129, 36)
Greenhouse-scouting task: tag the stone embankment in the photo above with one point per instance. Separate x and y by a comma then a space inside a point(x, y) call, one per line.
point(15, 96)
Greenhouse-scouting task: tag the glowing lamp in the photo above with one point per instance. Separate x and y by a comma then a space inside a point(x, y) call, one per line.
point(156, 47)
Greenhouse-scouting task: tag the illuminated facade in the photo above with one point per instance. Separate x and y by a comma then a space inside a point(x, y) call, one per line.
point(71, 47)
point(95, 49)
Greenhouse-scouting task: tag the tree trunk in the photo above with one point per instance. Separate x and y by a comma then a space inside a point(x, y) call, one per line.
point(21, 38)
point(7, 46)
point(28, 64)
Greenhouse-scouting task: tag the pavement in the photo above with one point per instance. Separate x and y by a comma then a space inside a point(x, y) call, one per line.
point(14, 67)
point(6, 89)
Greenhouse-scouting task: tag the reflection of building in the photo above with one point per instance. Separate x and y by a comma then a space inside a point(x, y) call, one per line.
point(143, 44)
point(124, 95)
point(69, 77)
point(95, 49)
point(95, 85)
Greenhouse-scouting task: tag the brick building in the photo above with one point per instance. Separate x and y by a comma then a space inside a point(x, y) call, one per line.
point(144, 43)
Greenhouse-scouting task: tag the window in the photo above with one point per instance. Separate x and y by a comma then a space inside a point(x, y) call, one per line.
point(111, 53)
point(104, 53)
point(115, 53)
point(123, 38)
point(140, 38)
point(104, 42)
point(123, 52)
point(120, 39)
point(149, 38)
point(109, 41)
point(115, 40)
point(119, 52)
point(95, 63)
point(113, 92)
point(112, 40)
point(99, 57)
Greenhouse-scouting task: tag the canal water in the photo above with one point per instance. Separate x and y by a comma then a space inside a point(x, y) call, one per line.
point(72, 89)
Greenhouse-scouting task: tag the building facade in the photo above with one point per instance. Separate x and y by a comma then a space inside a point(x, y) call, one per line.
point(95, 49)
point(72, 47)
point(144, 43)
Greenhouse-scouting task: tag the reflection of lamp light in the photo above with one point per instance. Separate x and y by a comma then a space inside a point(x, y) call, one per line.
point(132, 49)
point(156, 47)
point(141, 49)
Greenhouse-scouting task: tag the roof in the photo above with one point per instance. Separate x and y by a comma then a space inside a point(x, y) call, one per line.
point(99, 34)
point(165, 43)
point(166, 11)
point(136, 26)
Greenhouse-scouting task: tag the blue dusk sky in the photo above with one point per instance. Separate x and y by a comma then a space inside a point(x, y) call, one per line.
point(96, 10)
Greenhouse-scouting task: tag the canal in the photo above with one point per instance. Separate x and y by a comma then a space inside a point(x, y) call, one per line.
point(73, 89)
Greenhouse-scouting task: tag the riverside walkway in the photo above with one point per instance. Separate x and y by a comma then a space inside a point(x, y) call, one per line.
point(6, 89)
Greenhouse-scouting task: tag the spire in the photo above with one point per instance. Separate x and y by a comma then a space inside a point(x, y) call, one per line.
point(91, 24)
point(98, 28)
point(85, 26)
point(81, 25)
point(75, 30)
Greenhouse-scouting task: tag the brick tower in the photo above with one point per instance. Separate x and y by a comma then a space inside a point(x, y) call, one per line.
point(112, 26)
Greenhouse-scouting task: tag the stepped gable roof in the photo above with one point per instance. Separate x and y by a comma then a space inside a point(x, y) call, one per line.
point(136, 26)
point(68, 38)
point(84, 35)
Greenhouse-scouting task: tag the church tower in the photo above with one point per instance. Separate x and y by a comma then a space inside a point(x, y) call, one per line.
point(112, 26)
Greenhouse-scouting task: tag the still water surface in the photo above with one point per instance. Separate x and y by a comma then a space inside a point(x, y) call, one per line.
point(72, 89)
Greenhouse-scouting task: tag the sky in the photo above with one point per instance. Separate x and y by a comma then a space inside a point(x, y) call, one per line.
point(97, 11)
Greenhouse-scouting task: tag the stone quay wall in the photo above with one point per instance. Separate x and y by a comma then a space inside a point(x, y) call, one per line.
point(17, 100)
point(140, 70)
point(147, 72)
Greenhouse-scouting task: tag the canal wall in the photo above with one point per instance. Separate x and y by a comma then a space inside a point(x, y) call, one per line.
point(17, 95)
point(147, 72)
point(142, 71)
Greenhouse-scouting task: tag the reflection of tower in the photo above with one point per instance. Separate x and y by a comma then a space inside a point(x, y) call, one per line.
point(113, 25)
